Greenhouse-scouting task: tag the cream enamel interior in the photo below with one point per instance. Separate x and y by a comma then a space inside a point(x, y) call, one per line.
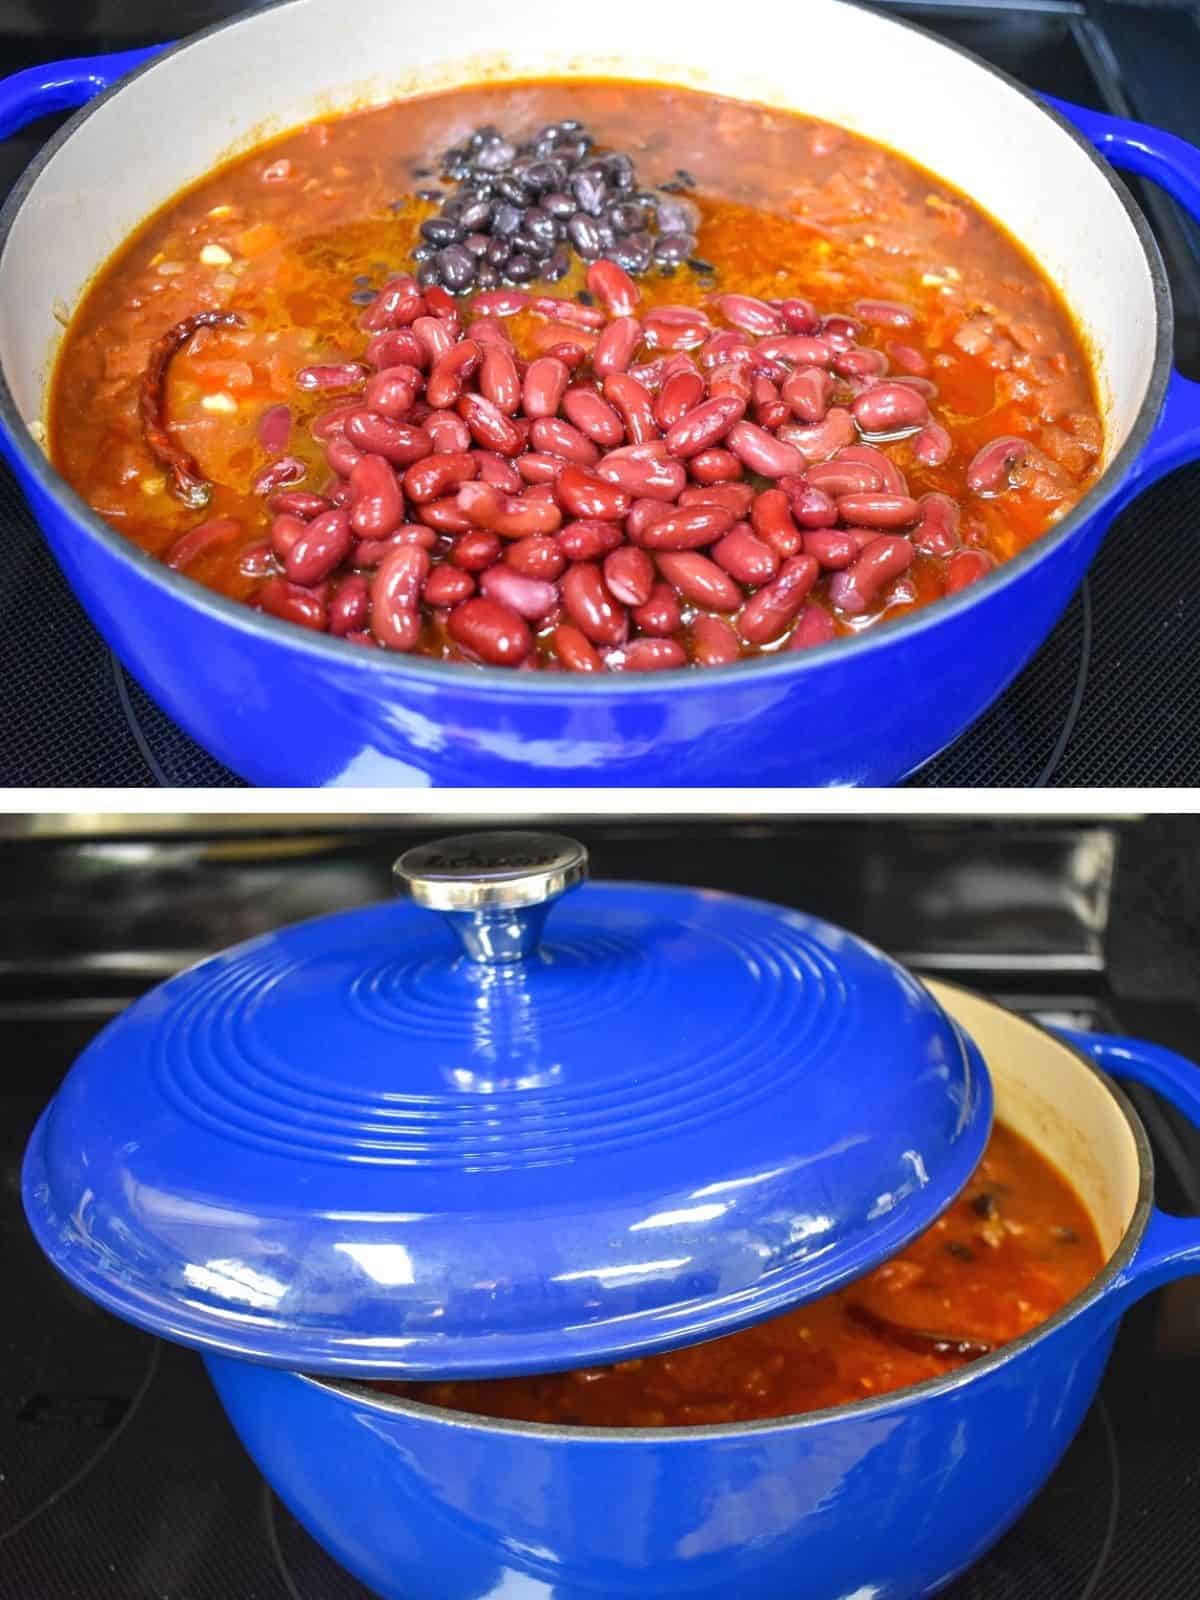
point(1046, 1094)
point(280, 68)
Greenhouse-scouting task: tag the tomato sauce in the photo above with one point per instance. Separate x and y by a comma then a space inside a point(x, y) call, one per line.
point(1012, 1250)
point(294, 236)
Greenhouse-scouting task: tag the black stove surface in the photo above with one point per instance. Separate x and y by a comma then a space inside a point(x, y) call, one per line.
point(120, 1478)
point(1126, 654)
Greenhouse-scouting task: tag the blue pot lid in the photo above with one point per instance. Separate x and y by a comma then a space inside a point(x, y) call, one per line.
point(394, 1142)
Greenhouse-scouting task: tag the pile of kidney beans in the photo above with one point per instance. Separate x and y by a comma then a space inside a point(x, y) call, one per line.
point(646, 492)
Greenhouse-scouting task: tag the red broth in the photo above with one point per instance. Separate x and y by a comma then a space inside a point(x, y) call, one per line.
point(1015, 1247)
point(746, 532)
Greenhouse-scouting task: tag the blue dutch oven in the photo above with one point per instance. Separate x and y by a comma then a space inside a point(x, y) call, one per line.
point(380, 1144)
point(281, 706)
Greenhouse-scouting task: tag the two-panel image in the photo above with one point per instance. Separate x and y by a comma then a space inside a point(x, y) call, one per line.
point(548, 1146)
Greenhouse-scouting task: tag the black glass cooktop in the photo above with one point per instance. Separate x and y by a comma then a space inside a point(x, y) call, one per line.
point(1126, 655)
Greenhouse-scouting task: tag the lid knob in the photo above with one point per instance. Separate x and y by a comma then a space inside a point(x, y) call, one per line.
point(495, 889)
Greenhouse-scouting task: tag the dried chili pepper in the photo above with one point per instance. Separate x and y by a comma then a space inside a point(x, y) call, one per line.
point(918, 1340)
point(187, 481)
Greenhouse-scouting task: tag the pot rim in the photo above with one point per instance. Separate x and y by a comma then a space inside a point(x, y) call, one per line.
point(355, 1390)
point(571, 686)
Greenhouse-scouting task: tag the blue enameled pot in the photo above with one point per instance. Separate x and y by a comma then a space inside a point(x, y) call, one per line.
point(881, 1500)
point(281, 706)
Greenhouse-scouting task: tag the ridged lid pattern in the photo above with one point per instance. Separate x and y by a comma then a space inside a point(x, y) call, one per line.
point(393, 1141)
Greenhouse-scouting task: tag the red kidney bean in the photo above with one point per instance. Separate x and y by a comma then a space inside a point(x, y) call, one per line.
point(499, 380)
point(990, 468)
point(448, 431)
point(838, 477)
point(531, 598)
point(613, 287)
point(287, 469)
point(878, 510)
point(812, 507)
point(884, 313)
point(593, 416)
point(891, 407)
point(490, 631)
point(511, 516)
point(769, 409)
point(341, 455)
point(585, 494)
point(331, 375)
point(653, 374)
point(291, 603)
point(395, 597)
point(714, 466)
point(642, 513)
point(299, 503)
point(773, 523)
point(476, 550)
point(486, 331)
point(697, 578)
point(441, 304)
point(392, 392)
point(572, 348)
point(680, 393)
point(207, 535)
point(285, 530)
point(714, 643)
point(447, 586)
point(538, 556)
point(616, 346)
point(761, 452)
point(641, 450)
point(437, 475)
point(841, 332)
point(814, 626)
point(833, 548)
point(589, 539)
point(435, 338)
point(856, 589)
point(932, 446)
point(399, 302)
point(654, 480)
point(537, 468)
point(450, 372)
point(633, 405)
point(808, 392)
point(729, 382)
point(377, 504)
point(675, 328)
point(819, 440)
point(324, 545)
point(500, 303)
point(629, 574)
point(967, 567)
point(397, 348)
point(746, 557)
point(869, 455)
point(652, 655)
point(571, 312)
point(400, 442)
point(936, 532)
point(799, 350)
point(499, 471)
point(735, 497)
point(331, 424)
point(859, 364)
point(370, 552)
point(275, 428)
point(362, 636)
point(750, 314)
point(799, 315)
point(558, 438)
point(704, 425)
point(908, 359)
point(591, 607)
point(660, 614)
point(489, 426)
point(339, 493)
point(723, 347)
point(446, 515)
point(351, 604)
point(771, 610)
point(575, 650)
point(545, 384)
point(690, 528)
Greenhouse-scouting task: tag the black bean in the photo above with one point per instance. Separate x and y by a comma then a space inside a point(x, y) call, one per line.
point(533, 245)
point(495, 157)
point(439, 230)
point(607, 236)
point(557, 267)
point(499, 251)
point(569, 125)
point(960, 1252)
point(705, 268)
point(520, 269)
point(421, 172)
point(457, 267)
point(984, 1205)
point(506, 220)
point(458, 170)
point(477, 215)
point(513, 189)
point(633, 257)
point(590, 191)
point(543, 175)
point(620, 172)
point(586, 297)
point(685, 177)
point(425, 252)
point(558, 204)
point(486, 277)
point(585, 236)
point(477, 243)
point(678, 216)
point(672, 248)
point(428, 274)
point(626, 217)
point(539, 225)
point(1065, 1235)
point(362, 297)
point(362, 281)
point(672, 186)
point(432, 196)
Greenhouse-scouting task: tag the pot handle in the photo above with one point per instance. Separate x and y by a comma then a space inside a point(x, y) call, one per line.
point(1173, 164)
point(1170, 1246)
point(62, 85)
